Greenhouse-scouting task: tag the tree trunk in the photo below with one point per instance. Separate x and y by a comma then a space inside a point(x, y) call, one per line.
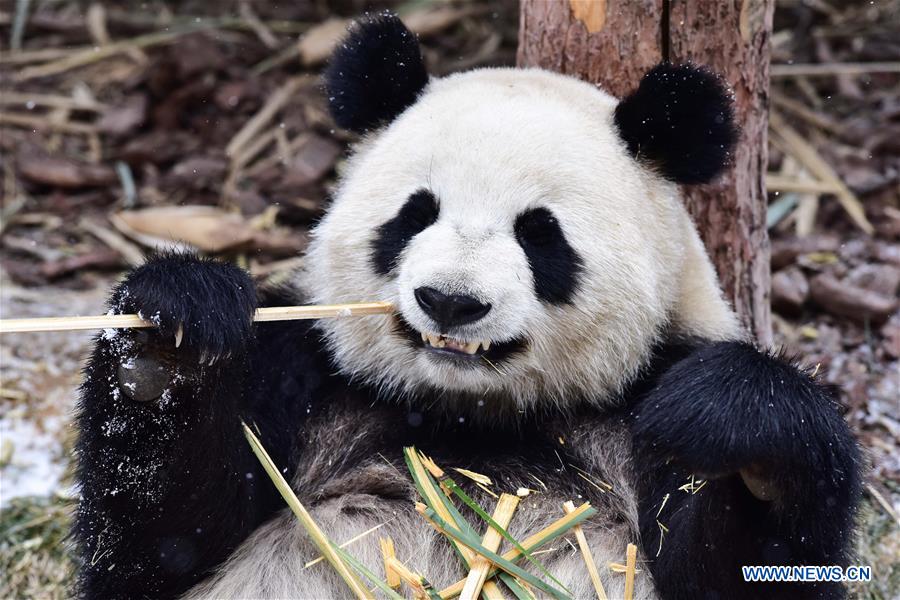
point(614, 42)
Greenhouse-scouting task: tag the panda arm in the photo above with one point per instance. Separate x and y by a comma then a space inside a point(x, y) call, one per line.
point(782, 474)
point(169, 486)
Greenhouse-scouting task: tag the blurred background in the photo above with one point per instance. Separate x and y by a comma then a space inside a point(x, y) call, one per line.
point(126, 124)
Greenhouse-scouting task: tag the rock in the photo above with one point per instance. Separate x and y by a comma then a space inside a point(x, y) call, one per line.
point(789, 291)
point(856, 303)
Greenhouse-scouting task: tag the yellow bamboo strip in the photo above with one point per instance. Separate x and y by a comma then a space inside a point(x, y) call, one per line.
point(480, 566)
point(416, 582)
point(569, 507)
point(630, 565)
point(387, 551)
point(275, 313)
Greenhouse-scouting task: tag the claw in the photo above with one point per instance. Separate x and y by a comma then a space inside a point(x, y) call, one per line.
point(178, 335)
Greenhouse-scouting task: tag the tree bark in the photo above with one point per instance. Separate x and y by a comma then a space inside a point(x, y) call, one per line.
point(614, 42)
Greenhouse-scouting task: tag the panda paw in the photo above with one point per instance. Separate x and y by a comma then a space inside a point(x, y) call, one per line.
point(202, 308)
point(728, 408)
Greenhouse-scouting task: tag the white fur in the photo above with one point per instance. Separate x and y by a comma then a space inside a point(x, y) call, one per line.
point(490, 144)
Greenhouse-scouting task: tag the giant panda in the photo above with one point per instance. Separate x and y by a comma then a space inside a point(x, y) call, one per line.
point(557, 323)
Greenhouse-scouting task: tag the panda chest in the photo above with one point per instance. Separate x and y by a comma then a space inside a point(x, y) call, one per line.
point(357, 461)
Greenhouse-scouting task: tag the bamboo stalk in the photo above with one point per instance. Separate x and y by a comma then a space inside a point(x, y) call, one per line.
point(276, 101)
point(275, 313)
point(569, 507)
point(312, 529)
point(480, 566)
point(630, 565)
point(530, 543)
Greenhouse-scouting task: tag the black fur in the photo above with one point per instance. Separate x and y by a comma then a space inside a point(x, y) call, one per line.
point(724, 408)
point(375, 74)
point(170, 487)
point(418, 213)
point(554, 263)
point(680, 120)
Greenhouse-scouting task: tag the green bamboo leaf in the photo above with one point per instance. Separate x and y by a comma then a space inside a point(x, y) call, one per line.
point(453, 487)
point(518, 590)
point(361, 568)
point(475, 544)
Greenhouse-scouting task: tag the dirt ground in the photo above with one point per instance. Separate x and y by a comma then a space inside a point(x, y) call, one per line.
point(119, 119)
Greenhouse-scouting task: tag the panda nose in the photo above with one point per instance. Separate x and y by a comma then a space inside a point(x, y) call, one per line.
point(450, 310)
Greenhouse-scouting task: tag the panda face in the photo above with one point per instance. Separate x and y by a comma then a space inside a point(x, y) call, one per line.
point(529, 256)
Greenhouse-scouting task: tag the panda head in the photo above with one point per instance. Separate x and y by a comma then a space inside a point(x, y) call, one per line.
point(527, 225)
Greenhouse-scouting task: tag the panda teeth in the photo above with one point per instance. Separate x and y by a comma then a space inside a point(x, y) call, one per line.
point(435, 341)
point(439, 341)
point(471, 347)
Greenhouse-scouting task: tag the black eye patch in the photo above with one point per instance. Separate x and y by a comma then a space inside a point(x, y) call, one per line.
point(554, 263)
point(419, 213)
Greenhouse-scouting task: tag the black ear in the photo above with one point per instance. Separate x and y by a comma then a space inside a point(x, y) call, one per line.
point(680, 120)
point(375, 73)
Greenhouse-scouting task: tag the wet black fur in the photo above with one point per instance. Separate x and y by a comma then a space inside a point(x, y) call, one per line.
point(170, 488)
point(680, 120)
point(375, 74)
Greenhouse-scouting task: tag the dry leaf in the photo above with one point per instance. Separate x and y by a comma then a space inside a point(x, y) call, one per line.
point(204, 227)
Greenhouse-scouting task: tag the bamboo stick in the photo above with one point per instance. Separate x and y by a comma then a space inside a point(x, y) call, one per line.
point(480, 566)
point(569, 507)
point(783, 183)
point(630, 565)
point(355, 538)
point(275, 313)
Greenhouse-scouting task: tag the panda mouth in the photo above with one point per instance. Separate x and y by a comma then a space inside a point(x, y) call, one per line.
point(449, 344)
point(445, 347)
